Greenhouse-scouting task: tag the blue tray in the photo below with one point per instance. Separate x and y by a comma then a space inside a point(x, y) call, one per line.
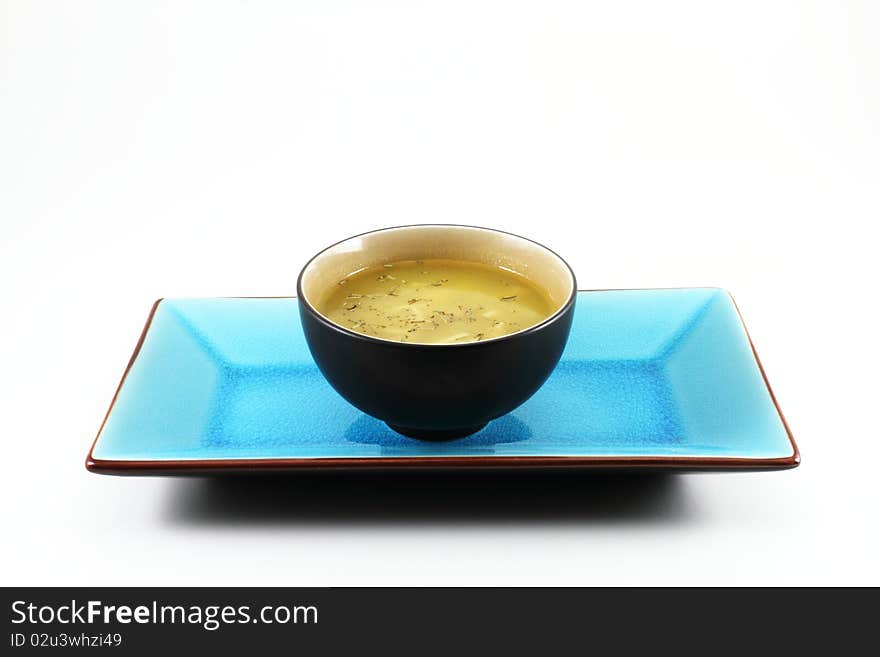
point(662, 379)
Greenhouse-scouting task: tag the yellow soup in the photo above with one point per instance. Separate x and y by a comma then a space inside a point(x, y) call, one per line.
point(436, 301)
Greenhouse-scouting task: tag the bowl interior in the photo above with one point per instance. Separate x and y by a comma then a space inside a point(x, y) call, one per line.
point(537, 263)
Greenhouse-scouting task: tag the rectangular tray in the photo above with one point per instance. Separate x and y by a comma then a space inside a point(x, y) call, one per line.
point(656, 379)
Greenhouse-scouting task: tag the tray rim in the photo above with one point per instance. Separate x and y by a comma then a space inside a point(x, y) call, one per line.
point(675, 463)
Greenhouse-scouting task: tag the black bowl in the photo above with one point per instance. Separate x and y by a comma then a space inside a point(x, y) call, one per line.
point(436, 391)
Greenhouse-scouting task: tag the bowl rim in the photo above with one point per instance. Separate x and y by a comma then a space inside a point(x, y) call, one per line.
point(560, 312)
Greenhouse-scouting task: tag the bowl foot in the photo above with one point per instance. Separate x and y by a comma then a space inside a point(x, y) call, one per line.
point(436, 434)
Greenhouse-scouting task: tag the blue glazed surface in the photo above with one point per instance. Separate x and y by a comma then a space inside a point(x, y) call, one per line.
point(645, 373)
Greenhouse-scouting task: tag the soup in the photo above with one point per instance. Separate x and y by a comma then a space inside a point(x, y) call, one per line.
point(436, 302)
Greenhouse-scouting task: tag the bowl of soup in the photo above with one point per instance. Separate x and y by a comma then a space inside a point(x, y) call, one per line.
point(436, 329)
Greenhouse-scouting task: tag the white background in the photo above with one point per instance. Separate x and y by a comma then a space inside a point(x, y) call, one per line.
point(155, 149)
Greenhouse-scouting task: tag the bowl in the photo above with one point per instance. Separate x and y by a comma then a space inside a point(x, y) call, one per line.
point(436, 391)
